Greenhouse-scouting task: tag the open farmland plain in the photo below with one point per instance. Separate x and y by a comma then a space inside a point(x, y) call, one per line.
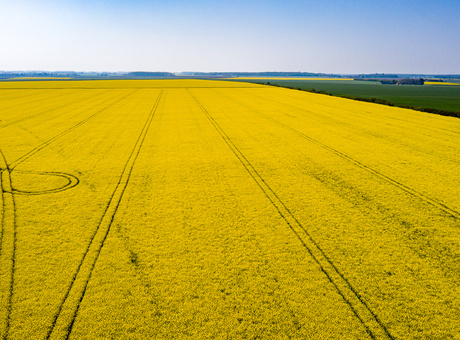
point(433, 95)
point(194, 209)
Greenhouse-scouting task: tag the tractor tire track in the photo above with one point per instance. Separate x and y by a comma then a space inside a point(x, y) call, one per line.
point(40, 99)
point(370, 321)
point(365, 203)
point(71, 181)
point(38, 148)
point(325, 115)
point(431, 201)
point(64, 317)
point(55, 108)
point(4, 99)
point(428, 200)
point(375, 114)
point(9, 214)
point(8, 247)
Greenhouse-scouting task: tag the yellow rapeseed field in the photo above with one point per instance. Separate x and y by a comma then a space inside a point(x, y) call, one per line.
point(195, 209)
point(440, 83)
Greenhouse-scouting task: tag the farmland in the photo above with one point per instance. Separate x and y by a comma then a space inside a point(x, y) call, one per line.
point(190, 209)
point(441, 96)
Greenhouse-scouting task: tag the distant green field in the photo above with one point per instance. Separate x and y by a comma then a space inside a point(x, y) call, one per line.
point(442, 97)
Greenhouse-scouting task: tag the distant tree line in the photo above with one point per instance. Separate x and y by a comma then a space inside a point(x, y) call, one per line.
point(150, 74)
point(388, 81)
point(419, 81)
point(18, 74)
point(264, 74)
point(375, 76)
point(391, 81)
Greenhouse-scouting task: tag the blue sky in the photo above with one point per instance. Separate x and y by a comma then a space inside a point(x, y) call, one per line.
point(331, 36)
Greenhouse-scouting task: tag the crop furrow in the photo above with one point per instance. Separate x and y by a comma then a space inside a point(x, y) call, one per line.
point(38, 148)
point(431, 201)
point(67, 311)
point(38, 100)
point(19, 97)
point(370, 321)
point(8, 247)
point(375, 114)
point(55, 108)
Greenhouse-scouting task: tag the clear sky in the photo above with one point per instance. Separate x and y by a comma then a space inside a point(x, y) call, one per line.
point(330, 36)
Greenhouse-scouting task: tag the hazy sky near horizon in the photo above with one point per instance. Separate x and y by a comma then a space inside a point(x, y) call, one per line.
point(330, 36)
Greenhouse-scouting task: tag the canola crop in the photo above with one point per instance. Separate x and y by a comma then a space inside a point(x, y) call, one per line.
point(195, 209)
point(440, 83)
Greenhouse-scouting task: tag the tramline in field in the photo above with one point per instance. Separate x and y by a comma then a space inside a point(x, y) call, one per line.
point(216, 209)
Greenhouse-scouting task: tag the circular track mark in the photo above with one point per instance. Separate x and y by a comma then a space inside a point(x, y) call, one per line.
point(70, 182)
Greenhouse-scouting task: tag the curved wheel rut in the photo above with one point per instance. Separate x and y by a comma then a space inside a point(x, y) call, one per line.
point(9, 214)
